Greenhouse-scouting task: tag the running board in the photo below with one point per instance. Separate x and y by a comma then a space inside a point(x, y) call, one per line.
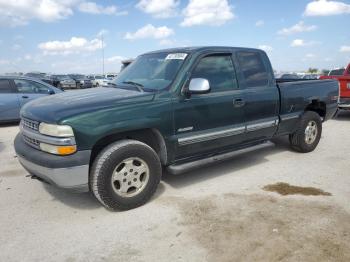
point(177, 169)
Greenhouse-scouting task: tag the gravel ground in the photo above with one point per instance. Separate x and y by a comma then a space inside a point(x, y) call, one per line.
point(218, 213)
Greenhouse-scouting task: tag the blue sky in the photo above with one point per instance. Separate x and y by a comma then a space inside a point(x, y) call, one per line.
point(64, 36)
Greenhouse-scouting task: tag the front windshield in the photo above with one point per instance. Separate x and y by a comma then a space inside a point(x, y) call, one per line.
point(152, 71)
point(63, 77)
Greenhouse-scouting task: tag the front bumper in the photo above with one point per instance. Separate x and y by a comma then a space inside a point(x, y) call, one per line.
point(69, 85)
point(69, 172)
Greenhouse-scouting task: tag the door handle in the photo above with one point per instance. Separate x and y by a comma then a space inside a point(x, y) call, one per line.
point(238, 102)
point(25, 97)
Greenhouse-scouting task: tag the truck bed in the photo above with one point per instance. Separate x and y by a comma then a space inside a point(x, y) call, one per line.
point(295, 96)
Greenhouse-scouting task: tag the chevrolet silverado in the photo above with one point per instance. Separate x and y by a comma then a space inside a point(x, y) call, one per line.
point(174, 109)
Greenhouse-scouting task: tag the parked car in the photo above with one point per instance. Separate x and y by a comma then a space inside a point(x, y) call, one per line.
point(64, 82)
point(15, 91)
point(311, 77)
point(111, 76)
point(41, 76)
point(98, 81)
point(178, 109)
point(287, 76)
point(343, 76)
point(81, 81)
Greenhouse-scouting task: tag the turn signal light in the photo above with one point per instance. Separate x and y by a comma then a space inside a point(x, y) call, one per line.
point(66, 150)
point(58, 150)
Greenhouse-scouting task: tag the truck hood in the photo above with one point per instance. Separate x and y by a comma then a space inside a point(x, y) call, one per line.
point(54, 108)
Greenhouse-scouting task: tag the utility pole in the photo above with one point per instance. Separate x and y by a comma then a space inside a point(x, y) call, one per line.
point(103, 57)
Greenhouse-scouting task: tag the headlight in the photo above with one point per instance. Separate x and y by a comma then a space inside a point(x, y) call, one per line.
point(56, 130)
point(58, 150)
point(81, 82)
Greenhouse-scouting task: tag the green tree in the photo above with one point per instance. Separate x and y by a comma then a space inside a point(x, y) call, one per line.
point(312, 70)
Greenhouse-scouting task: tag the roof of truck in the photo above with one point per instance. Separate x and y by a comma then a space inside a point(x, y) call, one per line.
point(192, 49)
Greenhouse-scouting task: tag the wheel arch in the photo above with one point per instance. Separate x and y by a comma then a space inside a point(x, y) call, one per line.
point(150, 136)
point(318, 107)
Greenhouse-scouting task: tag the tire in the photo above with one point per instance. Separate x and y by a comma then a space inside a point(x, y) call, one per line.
point(97, 84)
point(114, 161)
point(305, 139)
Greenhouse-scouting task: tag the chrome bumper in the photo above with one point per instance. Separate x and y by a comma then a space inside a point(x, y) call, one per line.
point(344, 106)
point(75, 178)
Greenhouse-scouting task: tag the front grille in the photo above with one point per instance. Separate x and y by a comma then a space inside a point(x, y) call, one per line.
point(30, 124)
point(31, 141)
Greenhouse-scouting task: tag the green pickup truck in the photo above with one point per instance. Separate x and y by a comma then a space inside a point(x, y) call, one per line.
point(173, 110)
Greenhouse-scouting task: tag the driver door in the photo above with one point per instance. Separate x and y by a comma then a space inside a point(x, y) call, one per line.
point(211, 122)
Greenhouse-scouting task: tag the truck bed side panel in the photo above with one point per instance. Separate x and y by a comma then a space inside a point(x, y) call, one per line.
point(297, 96)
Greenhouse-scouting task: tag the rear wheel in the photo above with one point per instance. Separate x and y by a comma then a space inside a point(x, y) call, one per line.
point(125, 175)
point(306, 138)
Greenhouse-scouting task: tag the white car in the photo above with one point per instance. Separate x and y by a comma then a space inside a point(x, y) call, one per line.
point(98, 81)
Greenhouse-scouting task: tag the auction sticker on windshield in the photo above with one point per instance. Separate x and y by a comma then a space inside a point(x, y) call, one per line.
point(180, 56)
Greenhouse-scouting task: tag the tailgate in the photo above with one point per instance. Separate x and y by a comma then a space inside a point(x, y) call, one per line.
point(344, 87)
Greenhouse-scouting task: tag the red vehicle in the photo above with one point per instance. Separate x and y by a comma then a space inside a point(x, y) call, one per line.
point(343, 76)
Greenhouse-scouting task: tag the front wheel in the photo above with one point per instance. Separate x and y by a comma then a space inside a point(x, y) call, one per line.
point(306, 138)
point(125, 175)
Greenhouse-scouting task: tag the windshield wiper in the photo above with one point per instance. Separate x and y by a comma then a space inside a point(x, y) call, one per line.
point(135, 84)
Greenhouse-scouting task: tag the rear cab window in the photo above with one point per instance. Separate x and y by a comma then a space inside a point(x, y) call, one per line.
point(337, 72)
point(253, 68)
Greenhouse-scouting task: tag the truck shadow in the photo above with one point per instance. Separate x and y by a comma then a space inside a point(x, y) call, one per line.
point(343, 115)
point(72, 199)
point(84, 200)
point(88, 201)
point(9, 124)
point(229, 166)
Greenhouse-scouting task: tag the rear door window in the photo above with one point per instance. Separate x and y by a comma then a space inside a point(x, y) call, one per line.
point(5, 86)
point(253, 68)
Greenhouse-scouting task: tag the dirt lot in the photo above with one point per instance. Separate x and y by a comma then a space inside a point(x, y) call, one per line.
point(227, 212)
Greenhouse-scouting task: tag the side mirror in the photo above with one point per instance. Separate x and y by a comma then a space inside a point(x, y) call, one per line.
point(199, 86)
point(50, 92)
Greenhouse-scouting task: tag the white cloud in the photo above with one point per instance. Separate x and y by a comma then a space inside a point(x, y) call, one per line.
point(297, 42)
point(297, 28)
point(28, 57)
point(301, 42)
point(102, 32)
point(114, 59)
point(326, 8)
point(93, 8)
point(166, 42)
point(159, 8)
point(345, 48)
point(4, 62)
point(74, 45)
point(16, 47)
point(310, 55)
point(17, 13)
point(207, 12)
point(150, 31)
point(259, 23)
point(266, 48)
